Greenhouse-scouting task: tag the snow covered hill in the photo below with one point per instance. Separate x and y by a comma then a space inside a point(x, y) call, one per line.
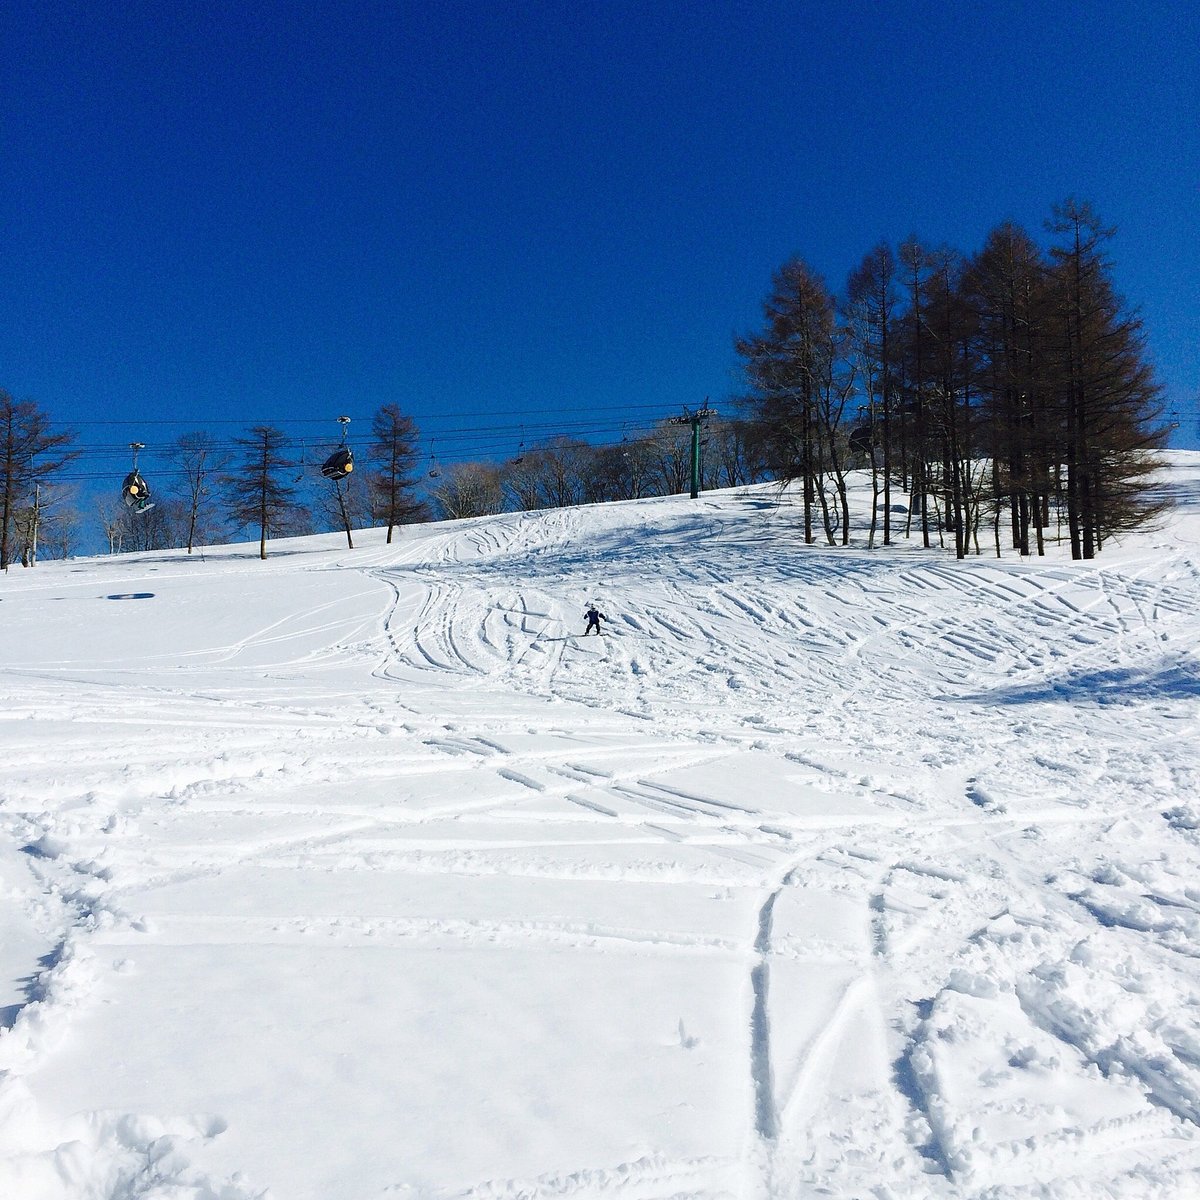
point(361, 874)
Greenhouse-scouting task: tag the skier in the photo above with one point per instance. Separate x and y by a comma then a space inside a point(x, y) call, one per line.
point(594, 616)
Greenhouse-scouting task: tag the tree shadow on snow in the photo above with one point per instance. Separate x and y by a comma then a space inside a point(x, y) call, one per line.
point(1113, 685)
point(1184, 494)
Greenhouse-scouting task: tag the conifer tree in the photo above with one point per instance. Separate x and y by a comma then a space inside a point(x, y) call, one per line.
point(952, 376)
point(871, 308)
point(915, 264)
point(256, 494)
point(1006, 288)
point(1109, 411)
point(786, 366)
point(393, 455)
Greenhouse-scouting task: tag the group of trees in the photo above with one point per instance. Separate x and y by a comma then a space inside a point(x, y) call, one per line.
point(31, 453)
point(1007, 389)
point(259, 488)
point(563, 471)
point(206, 490)
point(1010, 387)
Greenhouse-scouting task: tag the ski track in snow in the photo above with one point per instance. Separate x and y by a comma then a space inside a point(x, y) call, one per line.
point(821, 873)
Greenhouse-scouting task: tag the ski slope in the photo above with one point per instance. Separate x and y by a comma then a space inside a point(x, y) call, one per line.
point(360, 875)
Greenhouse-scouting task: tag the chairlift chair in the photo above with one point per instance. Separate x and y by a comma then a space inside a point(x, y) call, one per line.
point(861, 439)
point(341, 462)
point(135, 491)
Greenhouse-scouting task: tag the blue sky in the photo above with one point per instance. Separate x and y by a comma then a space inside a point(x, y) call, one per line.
point(515, 217)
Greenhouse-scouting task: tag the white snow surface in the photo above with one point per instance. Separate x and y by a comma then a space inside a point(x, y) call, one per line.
point(360, 874)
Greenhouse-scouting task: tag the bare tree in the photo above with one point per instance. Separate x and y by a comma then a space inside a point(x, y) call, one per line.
point(521, 479)
point(607, 476)
point(564, 463)
point(29, 454)
point(620, 471)
point(952, 376)
point(728, 456)
point(916, 264)
point(156, 528)
point(47, 528)
point(201, 462)
point(670, 450)
point(469, 490)
point(58, 527)
point(342, 503)
point(836, 386)
point(114, 520)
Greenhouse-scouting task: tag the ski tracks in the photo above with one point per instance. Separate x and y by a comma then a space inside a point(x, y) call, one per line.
point(917, 903)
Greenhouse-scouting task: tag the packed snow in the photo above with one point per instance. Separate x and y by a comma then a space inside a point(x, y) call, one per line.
point(360, 874)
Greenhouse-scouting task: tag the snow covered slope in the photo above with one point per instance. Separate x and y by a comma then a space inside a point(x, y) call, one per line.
point(360, 874)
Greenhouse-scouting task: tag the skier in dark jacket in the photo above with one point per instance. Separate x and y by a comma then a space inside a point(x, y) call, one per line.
point(594, 616)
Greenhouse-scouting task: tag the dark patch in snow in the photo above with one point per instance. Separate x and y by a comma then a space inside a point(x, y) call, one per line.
point(1115, 685)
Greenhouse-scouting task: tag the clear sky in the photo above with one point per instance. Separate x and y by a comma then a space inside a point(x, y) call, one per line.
point(545, 215)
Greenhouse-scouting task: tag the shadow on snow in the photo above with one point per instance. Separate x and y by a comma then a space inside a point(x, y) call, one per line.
point(1113, 685)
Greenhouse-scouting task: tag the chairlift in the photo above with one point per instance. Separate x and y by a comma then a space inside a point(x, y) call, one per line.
point(341, 462)
point(861, 439)
point(135, 491)
point(434, 469)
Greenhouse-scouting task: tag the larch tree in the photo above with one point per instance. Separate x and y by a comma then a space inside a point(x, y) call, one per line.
point(1005, 288)
point(787, 366)
point(952, 375)
point(1108, 401)
point(916, 268)
point(339, 502)
point(393, 457)
point(871, 304)
point(257, 495)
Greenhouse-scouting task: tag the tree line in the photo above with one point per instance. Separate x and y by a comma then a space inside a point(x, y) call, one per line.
point(564, 471)
point(259, 484)
point(1004, 394)
point(218, 491)
point(1007, 391)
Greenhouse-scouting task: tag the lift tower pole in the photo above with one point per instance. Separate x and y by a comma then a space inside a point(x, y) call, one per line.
point(695, 420)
